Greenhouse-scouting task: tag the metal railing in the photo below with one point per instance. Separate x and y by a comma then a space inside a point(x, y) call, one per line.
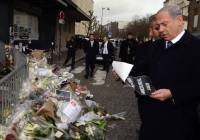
point(10, 86)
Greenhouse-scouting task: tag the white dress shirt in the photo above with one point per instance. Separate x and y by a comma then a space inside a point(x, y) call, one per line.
point(92, 43)
point(105, 48)
point(177, 38)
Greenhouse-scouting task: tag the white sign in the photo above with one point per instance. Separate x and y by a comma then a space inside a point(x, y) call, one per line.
point(61, 21)
point(72, 111)
point(61, 17)
point(122, 69)
point(25, 26)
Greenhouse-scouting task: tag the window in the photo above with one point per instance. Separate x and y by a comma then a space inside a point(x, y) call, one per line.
point(196, 18)
point(25, 26)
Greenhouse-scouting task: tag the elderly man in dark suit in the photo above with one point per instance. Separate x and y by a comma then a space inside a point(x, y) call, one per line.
point(91, 49)
point(169, 113)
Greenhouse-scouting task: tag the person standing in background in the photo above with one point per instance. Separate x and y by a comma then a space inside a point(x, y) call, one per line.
point(91, 49)
point(128, 49)
point(144, 48)
point(107, 53)
point(71, 53)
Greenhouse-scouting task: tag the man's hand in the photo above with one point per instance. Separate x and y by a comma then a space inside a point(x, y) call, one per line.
point(161, 94)
point(114, 75)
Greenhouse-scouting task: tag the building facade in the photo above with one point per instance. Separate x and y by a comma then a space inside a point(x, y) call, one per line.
point(122, 24)
point(36, 22)
point(194, 17)
point(88, 5)
point(112, 28)
point(184, 6)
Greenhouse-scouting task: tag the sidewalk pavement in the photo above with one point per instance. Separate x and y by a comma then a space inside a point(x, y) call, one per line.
point(60, 61)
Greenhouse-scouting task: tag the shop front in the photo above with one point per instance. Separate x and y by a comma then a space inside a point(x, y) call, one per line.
point(35, 23)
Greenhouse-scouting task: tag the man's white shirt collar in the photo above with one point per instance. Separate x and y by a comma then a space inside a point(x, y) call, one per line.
point(177, 38)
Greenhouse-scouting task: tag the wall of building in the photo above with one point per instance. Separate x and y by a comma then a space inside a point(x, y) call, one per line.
point(112, 29)
point(122, 24)
point(194, 12)
point(86, 6)
point(6, 20)
point(64, 32)
point(46, 14)
point(46, 22)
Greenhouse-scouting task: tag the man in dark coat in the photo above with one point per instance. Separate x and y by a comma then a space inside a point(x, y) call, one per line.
point(107, 53)
point(128, 49)
point(169, 113)
point(71, 52)
point(91, 49)
point(143, 48)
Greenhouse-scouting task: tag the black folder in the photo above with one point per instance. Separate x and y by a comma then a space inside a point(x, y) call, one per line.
point(141, 84)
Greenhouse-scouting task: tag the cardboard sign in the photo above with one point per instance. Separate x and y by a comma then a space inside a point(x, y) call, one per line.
point(63, 95)
point(122, 69)
point(72, 111)
point(142, 84)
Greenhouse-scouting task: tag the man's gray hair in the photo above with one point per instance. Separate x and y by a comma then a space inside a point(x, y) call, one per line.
point(173, 10)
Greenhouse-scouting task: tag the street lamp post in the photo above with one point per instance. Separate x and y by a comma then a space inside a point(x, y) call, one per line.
point(103, 8)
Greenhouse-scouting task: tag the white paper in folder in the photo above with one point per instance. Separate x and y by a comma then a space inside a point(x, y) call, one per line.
point(122, 69)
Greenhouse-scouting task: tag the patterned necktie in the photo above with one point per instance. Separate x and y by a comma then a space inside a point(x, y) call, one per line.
point(169, 44)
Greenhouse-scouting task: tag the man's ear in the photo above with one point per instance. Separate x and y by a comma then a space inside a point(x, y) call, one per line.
point(180, 20)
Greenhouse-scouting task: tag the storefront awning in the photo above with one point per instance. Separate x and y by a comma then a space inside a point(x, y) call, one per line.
point(73, 9)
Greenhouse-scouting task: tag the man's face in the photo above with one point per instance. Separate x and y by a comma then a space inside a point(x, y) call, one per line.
point(91, 37)
point(168, 27)
point(154, 29)
point(105, 39)
point(130, 36)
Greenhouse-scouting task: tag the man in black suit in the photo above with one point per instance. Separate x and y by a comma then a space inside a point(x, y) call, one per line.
point(71, 53)
point(169, 113)
point(107, 53)
point(128, 49)
point(91, 50)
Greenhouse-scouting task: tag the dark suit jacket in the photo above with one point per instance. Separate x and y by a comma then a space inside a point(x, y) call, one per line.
point(128, 50)
point(72, 46)
point(178, 69)
point(91, 51)
point(142, 51)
